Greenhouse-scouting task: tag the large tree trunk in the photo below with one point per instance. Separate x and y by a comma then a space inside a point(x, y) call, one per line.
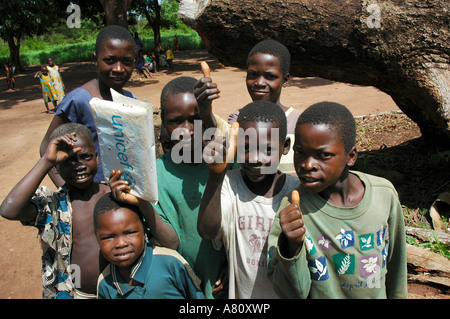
point(116, 11)
point(400, 47)
point(14, 50)
point(154, 23)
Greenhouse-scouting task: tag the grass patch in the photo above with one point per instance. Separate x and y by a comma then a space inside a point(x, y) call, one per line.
point(82, 51)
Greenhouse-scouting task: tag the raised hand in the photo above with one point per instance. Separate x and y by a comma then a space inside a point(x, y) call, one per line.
point(206, 91)
point(291, 221)
point(61, 148)
point(216, 157)
point(120, 189)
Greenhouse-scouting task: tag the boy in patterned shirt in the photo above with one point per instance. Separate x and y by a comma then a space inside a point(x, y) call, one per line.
point(71, 260)
point(342, 235)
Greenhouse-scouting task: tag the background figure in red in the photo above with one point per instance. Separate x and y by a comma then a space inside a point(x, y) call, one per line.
point(175, 41)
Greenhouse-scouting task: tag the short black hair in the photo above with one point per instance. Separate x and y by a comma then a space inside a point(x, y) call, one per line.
point(107, 203)
point(112, 32)
point(334, 115)
point(274, 48)
point(264, 111)
point(182, 84)
point(67, 128)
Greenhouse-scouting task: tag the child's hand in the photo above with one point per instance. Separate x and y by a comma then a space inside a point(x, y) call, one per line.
point(222, 282)
point(205, 91)
point(120, 189)
point(61, 148)
point(291, 221)
point(215, 156)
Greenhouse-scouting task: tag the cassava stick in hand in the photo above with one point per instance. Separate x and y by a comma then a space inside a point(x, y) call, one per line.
point(295, 199)
point(230, 151)
point(205, 69)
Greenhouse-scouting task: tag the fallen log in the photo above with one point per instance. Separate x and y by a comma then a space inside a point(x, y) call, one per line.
point(427, 261)
point(428, 235)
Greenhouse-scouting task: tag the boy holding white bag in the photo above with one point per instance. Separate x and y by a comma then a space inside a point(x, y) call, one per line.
point(167, 220)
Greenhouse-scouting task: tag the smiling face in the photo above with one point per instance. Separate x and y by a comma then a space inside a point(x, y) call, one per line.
point(320, 158)
point(115, 62)
point(259, 155)
point(265, 79)
point(78, 171)
point(120, 234)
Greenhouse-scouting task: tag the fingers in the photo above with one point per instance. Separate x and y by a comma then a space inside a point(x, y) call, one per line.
point(117, 184)
point(61, 148)
point(120, 189)
point(114, 176)
point(205, 89)
point(69, 138)
point(291, 220)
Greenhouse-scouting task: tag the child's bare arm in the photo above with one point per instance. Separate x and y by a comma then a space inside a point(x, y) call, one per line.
point(162, 231)
point(292, 226)
point(17, 205)
point(210, 212)
point(217, 159)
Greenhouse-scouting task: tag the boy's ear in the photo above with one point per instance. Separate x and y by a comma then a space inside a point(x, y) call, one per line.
point(352, 156)
point(286, 78)
point(286, 145)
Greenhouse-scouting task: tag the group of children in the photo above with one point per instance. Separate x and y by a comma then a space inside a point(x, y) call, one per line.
point(217, 231)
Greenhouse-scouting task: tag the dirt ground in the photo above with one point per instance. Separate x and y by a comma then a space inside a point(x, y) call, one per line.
point(23, 124)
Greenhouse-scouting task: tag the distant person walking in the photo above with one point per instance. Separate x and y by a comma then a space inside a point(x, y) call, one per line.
point(138, 45)
point(169, 59)
point(48, 90)
point(53, 71)
point(175, 41)
point(9, 69)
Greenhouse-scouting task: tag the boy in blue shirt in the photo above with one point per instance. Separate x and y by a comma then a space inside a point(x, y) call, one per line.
point(137, 270)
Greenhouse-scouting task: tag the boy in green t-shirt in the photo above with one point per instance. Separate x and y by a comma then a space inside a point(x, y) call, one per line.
point(182, 180)
point(345, 238)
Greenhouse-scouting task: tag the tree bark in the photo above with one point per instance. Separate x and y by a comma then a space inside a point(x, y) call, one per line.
point(14, 50)
point(400, 47)
point(154, 23)
point(116, 11)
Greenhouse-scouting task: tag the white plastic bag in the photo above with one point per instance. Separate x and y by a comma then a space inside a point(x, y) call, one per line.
point(127, 142)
